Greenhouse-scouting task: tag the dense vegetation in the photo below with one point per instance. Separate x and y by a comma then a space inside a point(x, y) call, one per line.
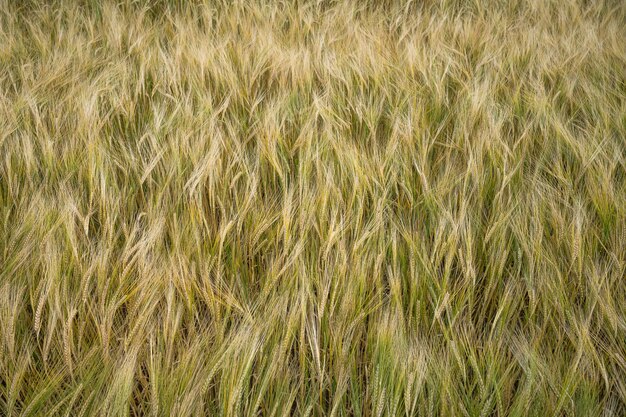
point(330, 208)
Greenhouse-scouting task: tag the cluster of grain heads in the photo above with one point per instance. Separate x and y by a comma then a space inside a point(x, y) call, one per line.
point(317, 208)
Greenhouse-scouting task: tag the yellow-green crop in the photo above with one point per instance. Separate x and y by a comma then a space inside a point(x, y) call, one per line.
point(313, 208)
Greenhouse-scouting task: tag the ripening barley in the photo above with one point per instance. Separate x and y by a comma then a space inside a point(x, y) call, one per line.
point(316, 208)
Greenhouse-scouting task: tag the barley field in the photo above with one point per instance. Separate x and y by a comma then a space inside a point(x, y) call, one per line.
point(312, 208)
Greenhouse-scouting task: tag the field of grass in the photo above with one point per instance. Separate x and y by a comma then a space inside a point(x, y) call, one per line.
point(313, 208)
